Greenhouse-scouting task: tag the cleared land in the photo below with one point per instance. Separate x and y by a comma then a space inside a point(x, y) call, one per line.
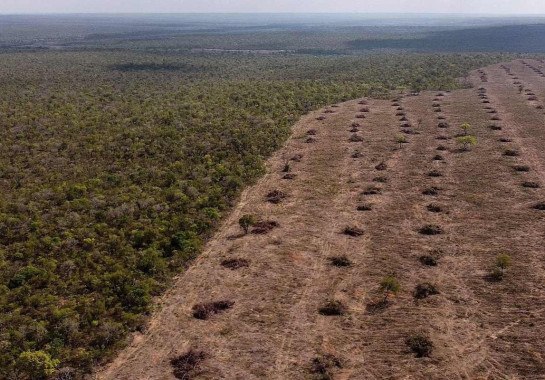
point(422, 197)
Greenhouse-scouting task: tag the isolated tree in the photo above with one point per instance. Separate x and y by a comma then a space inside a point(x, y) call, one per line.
point(389, 285)
point(467, 141)
point(246, 222)
point(465, 128)
point(401, 139)
point(503, 262)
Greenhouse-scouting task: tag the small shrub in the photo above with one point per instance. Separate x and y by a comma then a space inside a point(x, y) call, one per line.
point(505, 140)
point(204, 311)
point(321, 117)
point(245, 222)
point(494, 127)
point(364, 109)
point(441, 147)
point(400, 139)
point(185, 366)
point(353, 231)
point(310, 140)
point(235, 263)
point(442, 124)
point(312, 132)
point(380, 179)
point(424, 290)
point(499, 269)
point(466, 127)
point(435, 173)
point(503, 261)
point(495, 118)
point(438, 157)
point(420, 345)
point(431, 229)
point(360, 116)
point(332, 308)
point(289, 176)
point(357, 154)
point(340, 261)
point(390, 285)
point(467, 142)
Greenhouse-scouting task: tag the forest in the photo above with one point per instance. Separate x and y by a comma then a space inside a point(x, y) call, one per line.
point(116, 165)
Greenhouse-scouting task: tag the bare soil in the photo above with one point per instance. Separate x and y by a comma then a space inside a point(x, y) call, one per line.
point(278, 283)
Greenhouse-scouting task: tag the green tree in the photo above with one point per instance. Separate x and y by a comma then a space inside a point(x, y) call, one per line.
point(246, 222)
point(467, 141)
point(465, 128)
point(389, 285)
point(36, 364)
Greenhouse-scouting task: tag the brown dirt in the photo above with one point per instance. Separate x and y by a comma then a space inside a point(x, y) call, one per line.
point(477, 329)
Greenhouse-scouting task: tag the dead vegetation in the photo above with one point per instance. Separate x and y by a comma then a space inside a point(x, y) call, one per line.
point(430, 229)
point(424, 290)
point(264, 226)
point(332, 308)
point(234, 264)
point(204, 311)
point(186, 366)
point(353, 231)
point(275, 196)
point(340, 261)
point(420, 345)
point(323, 366)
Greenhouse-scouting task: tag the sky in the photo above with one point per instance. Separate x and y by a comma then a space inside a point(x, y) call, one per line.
point(504, 7)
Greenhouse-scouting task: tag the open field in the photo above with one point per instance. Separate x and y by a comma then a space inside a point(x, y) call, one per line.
point(355, 204)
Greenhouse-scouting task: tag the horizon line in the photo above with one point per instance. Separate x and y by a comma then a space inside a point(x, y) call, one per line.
point(279, 13)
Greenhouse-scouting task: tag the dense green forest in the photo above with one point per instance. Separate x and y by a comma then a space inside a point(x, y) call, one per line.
point(116, 165)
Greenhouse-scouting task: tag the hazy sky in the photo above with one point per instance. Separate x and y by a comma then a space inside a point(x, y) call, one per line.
point(362, 6)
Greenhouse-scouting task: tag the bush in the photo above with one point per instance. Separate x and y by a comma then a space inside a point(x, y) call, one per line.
point(499, 269)
point(467, 141)
point(36, 364)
